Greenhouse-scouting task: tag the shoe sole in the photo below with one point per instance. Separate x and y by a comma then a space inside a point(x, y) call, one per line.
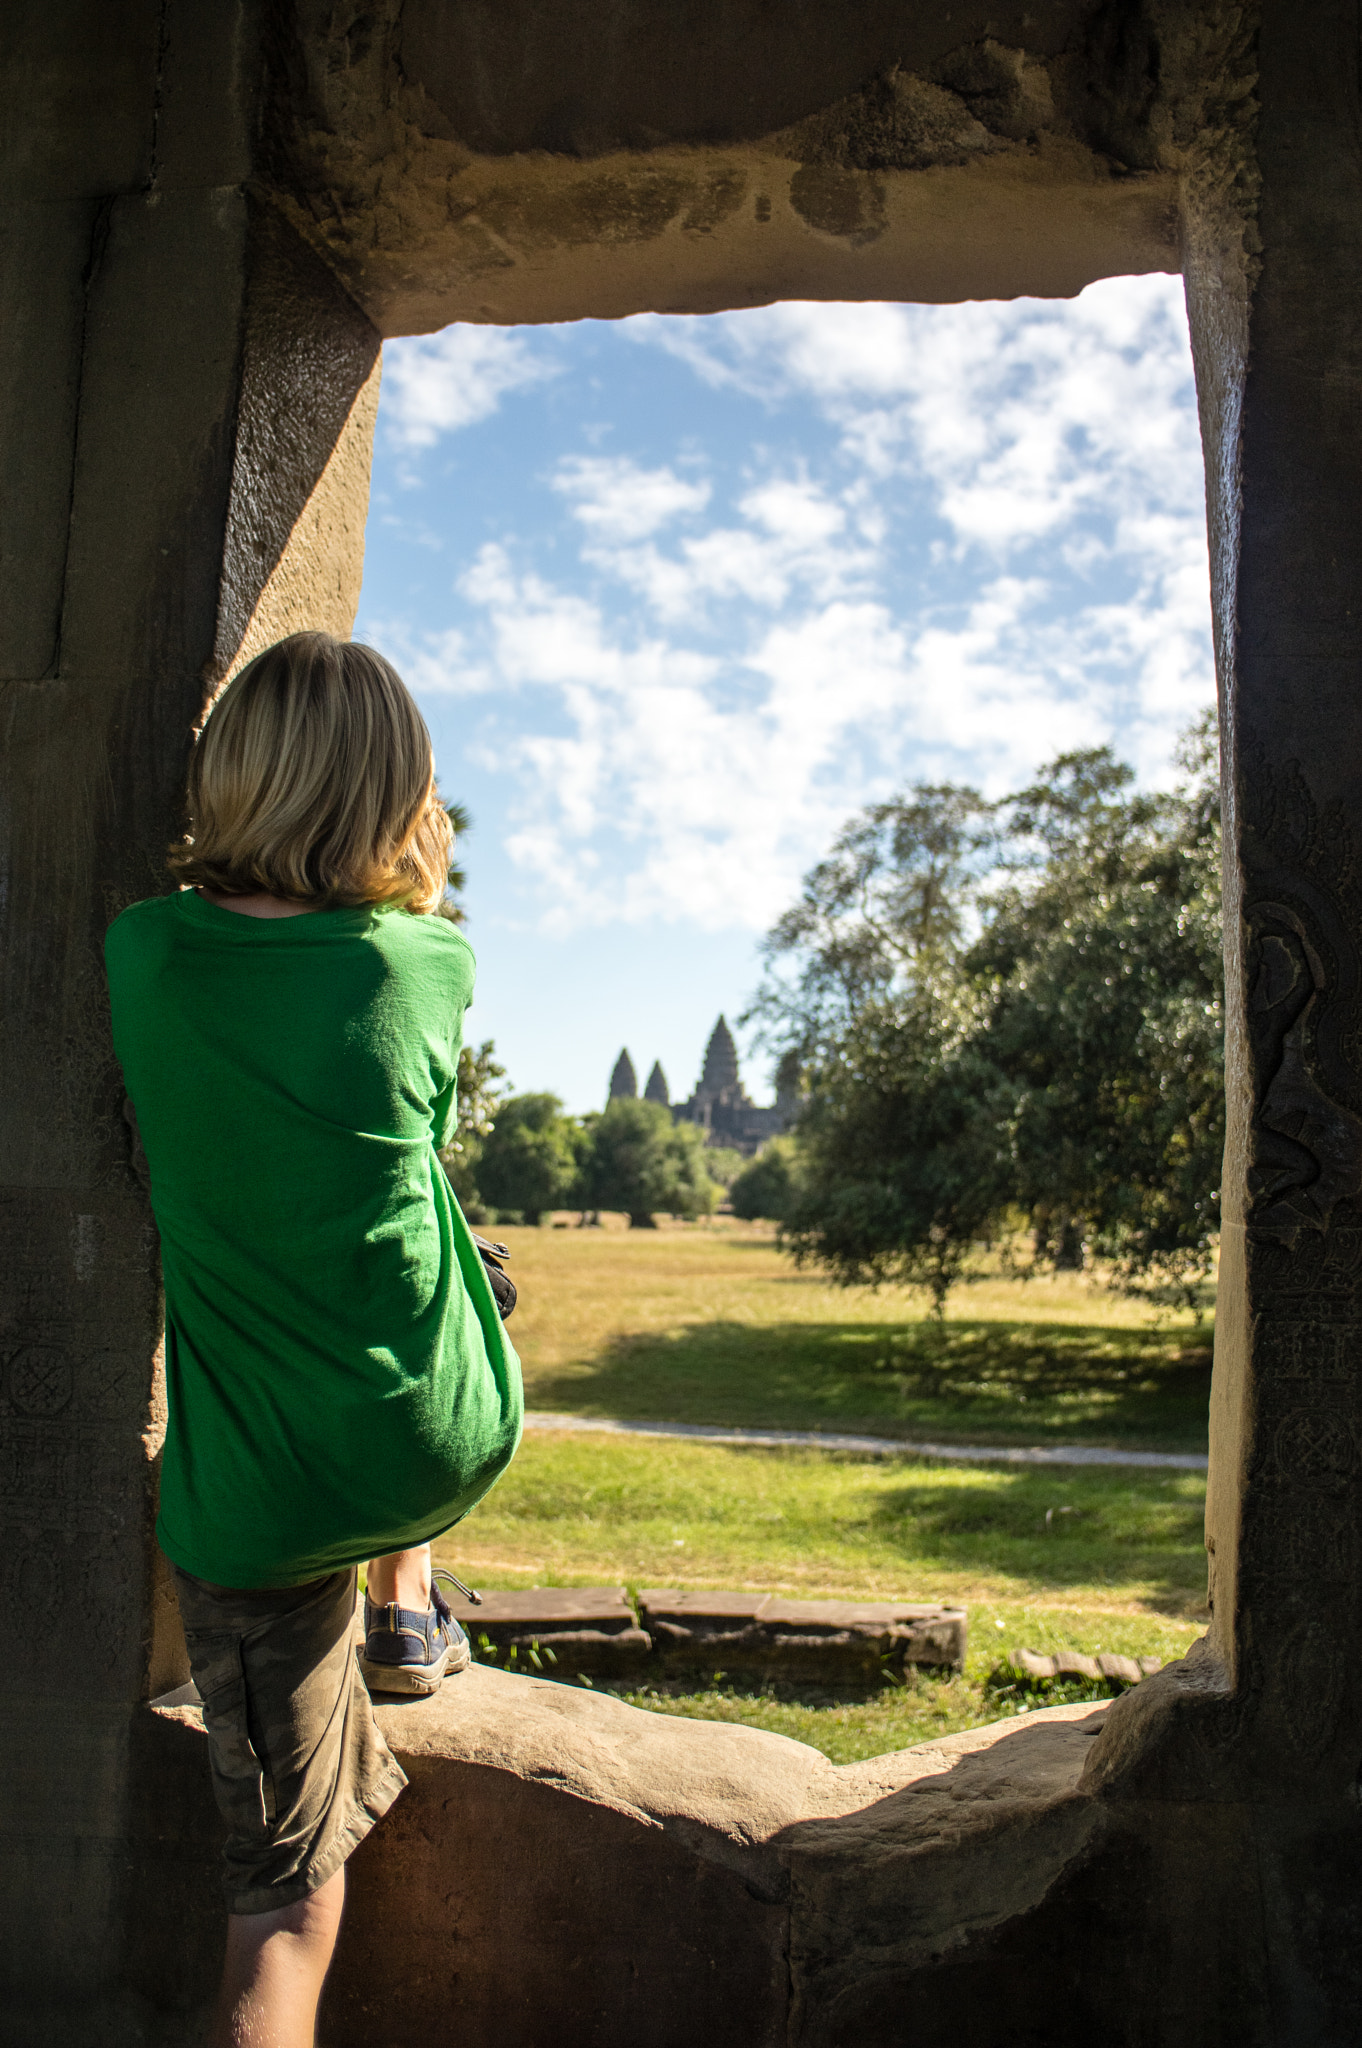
point(422, 1679)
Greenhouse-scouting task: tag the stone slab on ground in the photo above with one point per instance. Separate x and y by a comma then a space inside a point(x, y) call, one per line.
point(1035, 1665)
point(561, 1631)
point(818, 1640)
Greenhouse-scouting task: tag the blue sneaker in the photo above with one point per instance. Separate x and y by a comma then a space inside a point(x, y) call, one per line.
point(408, 1651)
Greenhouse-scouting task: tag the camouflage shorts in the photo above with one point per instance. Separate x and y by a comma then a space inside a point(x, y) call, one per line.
point(300, 1770)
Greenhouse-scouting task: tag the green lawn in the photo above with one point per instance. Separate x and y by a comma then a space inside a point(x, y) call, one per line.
point(711, 1323)
point(849, 1728)
point(1119, 1567)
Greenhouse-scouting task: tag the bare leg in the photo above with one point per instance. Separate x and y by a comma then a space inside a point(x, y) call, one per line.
point(274, 1970)
point(403, 1576)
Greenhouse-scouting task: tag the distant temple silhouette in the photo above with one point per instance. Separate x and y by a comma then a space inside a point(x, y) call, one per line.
point(624, 1081)
point(720, 1105)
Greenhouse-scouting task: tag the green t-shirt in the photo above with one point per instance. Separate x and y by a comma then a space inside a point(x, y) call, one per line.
point(339, 1382)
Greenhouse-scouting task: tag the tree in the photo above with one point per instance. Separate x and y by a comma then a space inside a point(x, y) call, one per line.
point(867, 1002)
point(1107, 1018)
point(903, 1167)
point(479, 1099)
point(878, 920)
point(765, 1186)
point(723, 1164)
point(638, 1160)
point(1010, 1006)
point(456, 876)
point(530, 1158)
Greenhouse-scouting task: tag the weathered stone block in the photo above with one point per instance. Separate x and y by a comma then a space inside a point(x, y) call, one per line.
point(1073, 1664)
point(812, 1640)
point(559, 1630)
point(566, 1869)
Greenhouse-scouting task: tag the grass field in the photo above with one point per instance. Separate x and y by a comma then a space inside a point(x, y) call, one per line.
point(711, 1324)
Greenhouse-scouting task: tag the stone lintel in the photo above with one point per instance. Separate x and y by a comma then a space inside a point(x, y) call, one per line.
point(450, 169)
point(593, 1630)
point(700, 1610)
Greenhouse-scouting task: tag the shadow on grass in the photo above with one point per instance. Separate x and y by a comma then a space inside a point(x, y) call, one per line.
point(1058, 1530)
point(1002, 1382)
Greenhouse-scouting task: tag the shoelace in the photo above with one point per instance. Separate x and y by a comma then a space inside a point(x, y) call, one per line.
point(474, 1599)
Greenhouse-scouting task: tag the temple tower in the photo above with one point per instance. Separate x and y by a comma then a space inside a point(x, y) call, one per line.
point(624, 1081)
point(719, 1075)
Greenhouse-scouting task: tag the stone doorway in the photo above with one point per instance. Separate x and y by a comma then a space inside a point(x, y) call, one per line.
point(214, 216)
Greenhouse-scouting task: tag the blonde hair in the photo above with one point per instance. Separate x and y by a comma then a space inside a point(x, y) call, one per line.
point(313, 779)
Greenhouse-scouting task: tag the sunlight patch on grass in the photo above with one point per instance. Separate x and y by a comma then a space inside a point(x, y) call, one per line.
point(579, 1510)
point(712, 1323)
point(847, 1730)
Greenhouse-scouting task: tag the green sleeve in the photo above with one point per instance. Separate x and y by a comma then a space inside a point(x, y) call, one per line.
point(447, 1114)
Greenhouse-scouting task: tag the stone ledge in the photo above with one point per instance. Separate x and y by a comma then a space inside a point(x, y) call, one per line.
point(801, 1639)
point(563, 1630)
point(567, 1631)
point(1043, 1670)
point(567, 1868)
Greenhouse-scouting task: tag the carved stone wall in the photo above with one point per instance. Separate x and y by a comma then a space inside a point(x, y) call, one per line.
point(179, 372)
point(1268, 1709)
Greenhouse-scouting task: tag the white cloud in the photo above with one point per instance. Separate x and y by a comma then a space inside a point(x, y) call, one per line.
point(434, 384)
point(791, 532)
point(615, 500)
point(1018, 415)
point(974, 538)
point(818, 348)
point(794, 511)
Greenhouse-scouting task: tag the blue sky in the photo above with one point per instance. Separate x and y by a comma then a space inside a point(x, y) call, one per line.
point(677, 596)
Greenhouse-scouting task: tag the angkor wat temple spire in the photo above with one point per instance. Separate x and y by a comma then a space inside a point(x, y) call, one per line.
point(624, 1081)
point(656, 1090)
point(720, 1073)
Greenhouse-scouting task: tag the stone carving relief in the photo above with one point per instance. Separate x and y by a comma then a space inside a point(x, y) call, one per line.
point(1299, 1350)
point(1311, 1445)
point(1300, 1530)
point(1314, 1680)
point(1308, 1150)
point(1303, 916)
point(38, 1379)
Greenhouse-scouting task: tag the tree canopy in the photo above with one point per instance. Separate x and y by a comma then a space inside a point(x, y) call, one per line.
point(1010, 1008)
point(531, 1158)
point(765, 1186)
point(641, 1162)
point(479, 1098)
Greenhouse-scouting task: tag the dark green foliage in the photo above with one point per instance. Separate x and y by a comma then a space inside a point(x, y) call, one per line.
point(1107, 1022)
point(531, 1157)
point(765, 1185)
point(904, 1162)
point(1011, 1007)
point(723, 1164)
point(878, 917)
point(639, 1161)
point(479, 1100)
point(456, 878)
